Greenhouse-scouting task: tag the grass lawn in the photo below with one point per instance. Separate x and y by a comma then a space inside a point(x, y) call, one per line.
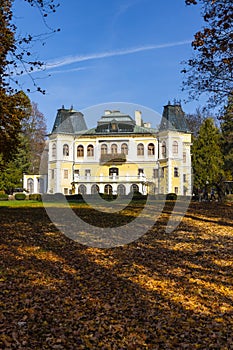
point(164, 291)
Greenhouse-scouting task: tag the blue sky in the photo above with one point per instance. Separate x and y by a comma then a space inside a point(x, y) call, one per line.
point(112, 51)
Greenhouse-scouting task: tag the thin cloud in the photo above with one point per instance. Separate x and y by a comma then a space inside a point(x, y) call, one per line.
point(70, 70)
point(64, 61)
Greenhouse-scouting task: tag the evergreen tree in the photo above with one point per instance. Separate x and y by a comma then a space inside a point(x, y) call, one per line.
point(207, 156)
point(227, 133)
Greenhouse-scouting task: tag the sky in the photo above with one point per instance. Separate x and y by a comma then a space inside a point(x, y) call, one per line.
point(126, 51)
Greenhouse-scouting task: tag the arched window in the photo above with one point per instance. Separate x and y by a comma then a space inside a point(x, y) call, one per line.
point(164, 149)
point(54, 150)
point(124, 148)
point(65, 150)
point(90, 150)
point(104, 149)
point(114, 148)
point(108, 189)
point(121, 189)
point(82, 189)
point(175, 147)
point(134, 188)
point(94, 189)
point(140, 149)
point(30, 185)
point(151, 149)
point(80, 151)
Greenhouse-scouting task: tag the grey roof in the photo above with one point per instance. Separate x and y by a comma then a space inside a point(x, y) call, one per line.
point(69, 121)
point(173, 118)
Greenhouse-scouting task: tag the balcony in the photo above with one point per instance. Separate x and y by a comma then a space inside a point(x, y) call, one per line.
point(110, 179)
point(112, 158)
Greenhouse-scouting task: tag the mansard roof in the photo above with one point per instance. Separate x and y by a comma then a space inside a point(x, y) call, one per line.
point(173, 118)
point(69, 121)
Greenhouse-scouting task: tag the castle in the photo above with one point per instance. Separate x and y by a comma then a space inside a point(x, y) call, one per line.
point(120, 155)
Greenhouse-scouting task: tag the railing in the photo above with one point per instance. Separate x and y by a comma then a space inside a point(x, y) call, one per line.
point(112, 158)
point(110, 178)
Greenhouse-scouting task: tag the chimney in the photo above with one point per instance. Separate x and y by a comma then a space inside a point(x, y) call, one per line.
point(107, 112)
point(147, 125)
point(138, 118)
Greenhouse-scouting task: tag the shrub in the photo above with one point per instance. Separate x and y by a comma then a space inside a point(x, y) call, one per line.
point(35, 197)
point(74, 197)
point(20, 196)
point(3, 197)
point(171, 197)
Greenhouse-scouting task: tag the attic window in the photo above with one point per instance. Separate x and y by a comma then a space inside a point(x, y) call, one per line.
point(114, 126)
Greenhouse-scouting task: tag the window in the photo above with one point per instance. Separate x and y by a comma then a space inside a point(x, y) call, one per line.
point(80, 151)
point(54, 150)
point(76, 172)
point(65, 190)
point(87, 173)
point(151, 149)
point(52, 173)
point(134, 188)
point(66, 173)
point(114, 127)
point(184, 178)
point(155, 173)
point(162, 172)
point(140, 172)
point(104, 149)
point(184, 157)
point(108, 189)
point(176, 190)
point(164, 150)
point(113, 171)
point(65, 150)
point(140, 149)
point(124, 148)
point(90, 150)
point(114, 148)
point(175, 147)
point(94, 189)
point(176, 172)
point(121, 189)
point(82, 189)
point(30, 185)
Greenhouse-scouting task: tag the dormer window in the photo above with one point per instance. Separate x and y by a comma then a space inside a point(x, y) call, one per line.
point(114, 126)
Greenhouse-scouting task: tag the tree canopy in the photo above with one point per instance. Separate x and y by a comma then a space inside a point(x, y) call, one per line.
point(210, 70)
point(15, 59)
point(207, 155)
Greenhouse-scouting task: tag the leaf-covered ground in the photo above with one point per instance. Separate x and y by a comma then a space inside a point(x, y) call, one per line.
point(165, 291)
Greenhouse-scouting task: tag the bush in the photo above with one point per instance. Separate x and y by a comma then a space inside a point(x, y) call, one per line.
point(74, 197)
point(171, 197)
point(3, 197)
point(35, 197)
point(20, 196)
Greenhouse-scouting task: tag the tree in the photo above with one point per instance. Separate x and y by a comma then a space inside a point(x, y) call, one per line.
point(13, 108)
point(30, 146)
point(34, 131)
point(12, 175)
point(211, 69)
point(207, 156)
point(15, 59)
point(15, 55)
point(227, 133)
point(195, 121)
